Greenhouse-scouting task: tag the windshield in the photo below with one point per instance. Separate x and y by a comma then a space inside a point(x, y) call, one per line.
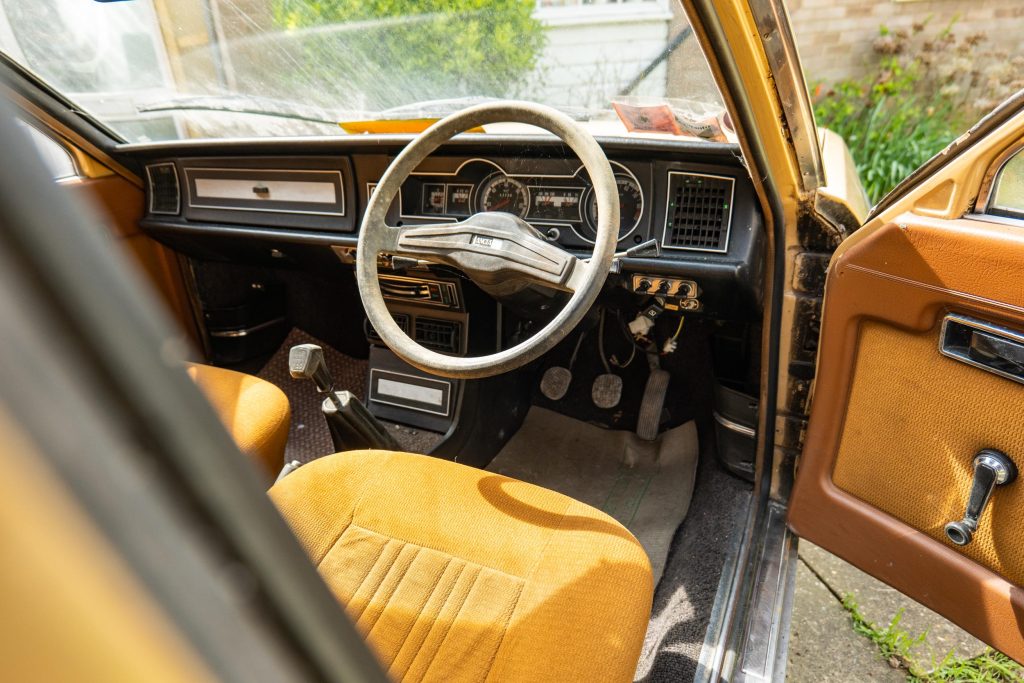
point(171, 69)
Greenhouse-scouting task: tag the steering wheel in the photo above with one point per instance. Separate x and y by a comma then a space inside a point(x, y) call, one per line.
point(491, 248)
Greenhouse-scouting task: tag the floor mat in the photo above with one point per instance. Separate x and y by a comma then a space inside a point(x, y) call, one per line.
point(308, 437)
point(645, 485)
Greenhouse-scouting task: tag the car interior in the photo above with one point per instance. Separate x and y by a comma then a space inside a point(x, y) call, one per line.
point(642, 413)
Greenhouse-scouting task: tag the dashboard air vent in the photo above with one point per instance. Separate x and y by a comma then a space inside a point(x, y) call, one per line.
point(699, 212)
point(401, 318)
point(439, 335)
point(164, 195)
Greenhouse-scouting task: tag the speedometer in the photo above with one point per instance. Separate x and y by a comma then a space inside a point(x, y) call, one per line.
point(501, 193)
point(631, 206)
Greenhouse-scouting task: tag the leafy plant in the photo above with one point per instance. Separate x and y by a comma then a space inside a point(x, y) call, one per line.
point(391, 52)
point(921, 91)
point(897, 646)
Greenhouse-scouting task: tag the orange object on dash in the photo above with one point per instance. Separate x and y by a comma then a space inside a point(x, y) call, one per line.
point(653, 119)
point(384, 126)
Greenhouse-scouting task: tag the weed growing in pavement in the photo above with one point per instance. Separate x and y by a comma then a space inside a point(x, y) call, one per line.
point(897, 645)
point(922, 90)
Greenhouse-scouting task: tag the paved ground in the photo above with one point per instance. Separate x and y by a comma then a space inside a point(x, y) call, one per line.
point(823, 645)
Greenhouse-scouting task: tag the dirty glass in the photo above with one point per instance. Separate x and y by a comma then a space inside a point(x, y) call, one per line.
point(1008, 195)
point(166, 69)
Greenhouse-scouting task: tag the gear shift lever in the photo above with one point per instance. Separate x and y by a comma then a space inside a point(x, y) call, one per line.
point(352, 425)
point(306, 361)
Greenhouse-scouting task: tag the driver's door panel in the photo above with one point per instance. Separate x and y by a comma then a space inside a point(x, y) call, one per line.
point(896, 424)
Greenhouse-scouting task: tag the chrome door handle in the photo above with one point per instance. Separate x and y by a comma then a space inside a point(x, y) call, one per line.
point(992, 468)
point(998, 351)
point(988, 346)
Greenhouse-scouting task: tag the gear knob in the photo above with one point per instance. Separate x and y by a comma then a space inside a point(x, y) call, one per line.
point(306, 361)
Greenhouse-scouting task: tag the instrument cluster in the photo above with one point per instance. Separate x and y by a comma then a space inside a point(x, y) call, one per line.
point(543, 200)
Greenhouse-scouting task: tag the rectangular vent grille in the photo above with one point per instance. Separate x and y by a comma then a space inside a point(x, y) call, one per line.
point(401, 318)
point(439, 335)
point(164, 195)
point(699, 212)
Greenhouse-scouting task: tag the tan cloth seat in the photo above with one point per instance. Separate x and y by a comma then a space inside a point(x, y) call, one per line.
point(255, 412)
point(457, 574)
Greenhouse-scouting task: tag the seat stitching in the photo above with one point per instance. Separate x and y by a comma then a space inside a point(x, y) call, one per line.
point(378, 472)
point(422, 608)
point(504, 630)
point(398, 582)
point(380, 554)
point(442, 551)
point(433, 657)
point(526, 581)
point(447, 597)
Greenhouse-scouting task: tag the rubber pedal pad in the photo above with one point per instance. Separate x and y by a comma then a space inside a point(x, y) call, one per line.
point(555, 382)
point(606, 391)
point(652, 404)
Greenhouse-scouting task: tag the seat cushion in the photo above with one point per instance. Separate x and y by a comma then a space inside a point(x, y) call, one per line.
point(457, 574)
point(255, 412)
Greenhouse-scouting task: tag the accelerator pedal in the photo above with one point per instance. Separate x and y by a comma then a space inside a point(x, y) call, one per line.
point(652, 404)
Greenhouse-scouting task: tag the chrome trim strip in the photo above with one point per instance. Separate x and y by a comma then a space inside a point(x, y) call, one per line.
point(341, 189)
point(734, 426)
point(988, 184)
point(775, 29)
point(728, 224)
point(999, 220)
point(245, 331)
point(177, 187)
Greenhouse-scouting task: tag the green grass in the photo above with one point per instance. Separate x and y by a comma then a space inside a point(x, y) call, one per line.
point(898, 647)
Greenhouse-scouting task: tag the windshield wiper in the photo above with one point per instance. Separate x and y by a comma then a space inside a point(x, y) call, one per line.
point(243, 104)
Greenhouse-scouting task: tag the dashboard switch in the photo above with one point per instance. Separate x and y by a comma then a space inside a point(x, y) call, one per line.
point(643, 285)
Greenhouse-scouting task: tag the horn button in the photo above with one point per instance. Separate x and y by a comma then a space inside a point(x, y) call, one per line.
point(493, 249)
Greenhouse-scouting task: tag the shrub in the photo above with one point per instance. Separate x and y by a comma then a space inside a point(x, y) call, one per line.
point(393, 52)
point(921, 91)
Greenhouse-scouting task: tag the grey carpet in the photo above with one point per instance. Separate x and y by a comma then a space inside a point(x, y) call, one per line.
point(686, 594)
point(308, 437)
point(645, 485)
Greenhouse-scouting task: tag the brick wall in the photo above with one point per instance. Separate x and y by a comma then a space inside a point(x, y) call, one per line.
point(835, 36)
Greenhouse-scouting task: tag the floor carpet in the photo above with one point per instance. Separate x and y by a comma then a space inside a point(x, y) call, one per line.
point(686, 593)
point(645, 485)
point(309, 437)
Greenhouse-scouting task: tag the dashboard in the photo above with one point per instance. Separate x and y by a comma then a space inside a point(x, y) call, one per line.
point(299, 203)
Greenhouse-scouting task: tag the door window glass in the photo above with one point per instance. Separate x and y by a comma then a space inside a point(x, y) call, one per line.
point(1008, 191)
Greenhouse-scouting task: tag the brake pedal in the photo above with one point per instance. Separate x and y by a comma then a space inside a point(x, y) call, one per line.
point(555, 383)
point(607, 391)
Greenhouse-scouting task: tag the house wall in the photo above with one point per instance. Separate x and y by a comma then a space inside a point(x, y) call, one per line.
point(834, 37)
point(593, 51)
